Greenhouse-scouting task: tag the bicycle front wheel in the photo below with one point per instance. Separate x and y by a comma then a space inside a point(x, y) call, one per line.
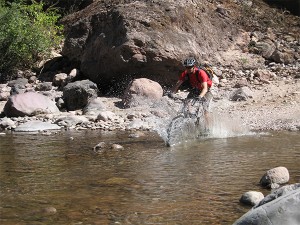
point(175, 130)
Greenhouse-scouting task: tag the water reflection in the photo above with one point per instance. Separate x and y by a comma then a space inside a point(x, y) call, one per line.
point(147, 183)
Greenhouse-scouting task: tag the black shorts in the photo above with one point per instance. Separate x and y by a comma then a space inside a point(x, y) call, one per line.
point(193, 93)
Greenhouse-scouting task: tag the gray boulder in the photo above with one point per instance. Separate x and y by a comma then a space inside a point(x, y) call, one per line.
point(71, 120)
point(45, 86)
point(7, 123)
point(277, 193)
point(251, 198)
point(241, 94)
point(265, 48)
point(94, 107)
point(62, 79)
point(18, 86)
point(284, 210)
point(20, 82)
point(263, 74)
point(29, 104)
point(76, 95)
point(106, 116)
point(283, 57)
point(278, 175)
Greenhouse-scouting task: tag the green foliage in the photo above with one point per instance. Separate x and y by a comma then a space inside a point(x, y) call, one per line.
point(27, 33)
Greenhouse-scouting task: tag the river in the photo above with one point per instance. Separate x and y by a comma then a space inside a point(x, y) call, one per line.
point(59, 179)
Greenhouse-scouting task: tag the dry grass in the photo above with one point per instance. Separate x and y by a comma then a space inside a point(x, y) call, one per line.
point(260, 17)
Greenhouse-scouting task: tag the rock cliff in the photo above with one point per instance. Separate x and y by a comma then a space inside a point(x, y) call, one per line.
point(115, 41)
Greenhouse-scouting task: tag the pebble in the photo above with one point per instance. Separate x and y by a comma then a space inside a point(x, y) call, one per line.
point(122, 121)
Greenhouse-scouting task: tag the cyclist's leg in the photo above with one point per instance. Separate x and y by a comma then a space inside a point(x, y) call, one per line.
point(207, 109)
point(194, 93)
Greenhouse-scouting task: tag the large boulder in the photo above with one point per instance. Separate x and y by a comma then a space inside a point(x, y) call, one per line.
point(130, 38)
point(29, 104)
point(275, 176)
point(282, 209)
point(141, 91)
point(277, 193)
point(76, 95)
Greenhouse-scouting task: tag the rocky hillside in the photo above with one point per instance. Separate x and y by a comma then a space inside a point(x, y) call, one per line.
point(254, 50)
point(117, 40)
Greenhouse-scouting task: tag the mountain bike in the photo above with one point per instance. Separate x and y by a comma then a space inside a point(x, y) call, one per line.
point(189, 122)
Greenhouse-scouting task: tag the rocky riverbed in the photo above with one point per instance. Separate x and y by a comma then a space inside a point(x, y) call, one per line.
point(257, 63)
point(257, 99)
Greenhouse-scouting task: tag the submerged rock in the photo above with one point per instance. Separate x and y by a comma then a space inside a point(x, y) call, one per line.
point(251, 197)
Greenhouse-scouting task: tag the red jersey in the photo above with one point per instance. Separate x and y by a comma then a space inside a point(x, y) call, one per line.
point(194, 81)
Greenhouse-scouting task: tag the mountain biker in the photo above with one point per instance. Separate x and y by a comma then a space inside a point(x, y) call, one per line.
point(199, 85)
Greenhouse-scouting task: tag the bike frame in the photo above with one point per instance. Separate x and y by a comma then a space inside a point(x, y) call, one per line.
point(186, 108)
point(183, 118)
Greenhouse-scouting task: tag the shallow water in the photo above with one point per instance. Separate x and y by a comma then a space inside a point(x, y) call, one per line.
point(197, 182)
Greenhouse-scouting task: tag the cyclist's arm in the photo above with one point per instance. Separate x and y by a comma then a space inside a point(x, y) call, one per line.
point(177, 85)
point(204, 89)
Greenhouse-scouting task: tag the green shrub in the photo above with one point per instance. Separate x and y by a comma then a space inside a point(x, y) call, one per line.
point(27, 33)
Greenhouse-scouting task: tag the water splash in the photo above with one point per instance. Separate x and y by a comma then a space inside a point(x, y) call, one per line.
point(223, 126)
point(220, 127)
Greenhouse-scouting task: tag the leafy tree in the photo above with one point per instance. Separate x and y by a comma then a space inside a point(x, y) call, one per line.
point(27, 33)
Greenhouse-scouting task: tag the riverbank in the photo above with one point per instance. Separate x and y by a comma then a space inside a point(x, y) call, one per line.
point(272, 105)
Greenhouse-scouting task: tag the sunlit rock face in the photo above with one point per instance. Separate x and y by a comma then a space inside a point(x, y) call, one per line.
point(125, 39)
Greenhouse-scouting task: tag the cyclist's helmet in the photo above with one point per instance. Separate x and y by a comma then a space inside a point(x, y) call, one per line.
point(189, 62)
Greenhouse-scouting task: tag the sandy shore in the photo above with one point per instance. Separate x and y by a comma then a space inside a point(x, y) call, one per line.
point(274, 106)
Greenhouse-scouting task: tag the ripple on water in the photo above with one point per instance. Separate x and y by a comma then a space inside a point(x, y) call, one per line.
point(196, 182)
